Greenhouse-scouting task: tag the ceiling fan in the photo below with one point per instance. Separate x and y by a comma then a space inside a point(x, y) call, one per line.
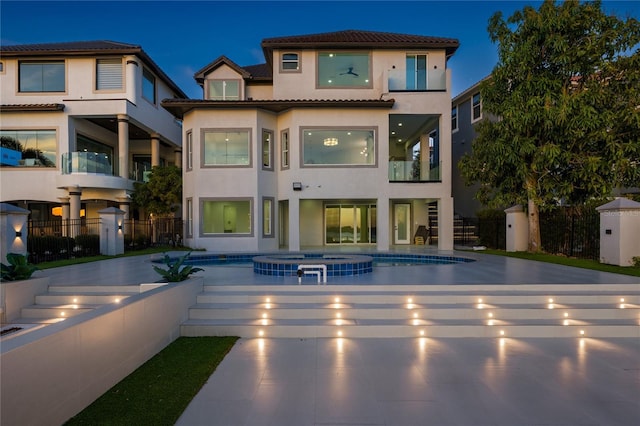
point(350, 72)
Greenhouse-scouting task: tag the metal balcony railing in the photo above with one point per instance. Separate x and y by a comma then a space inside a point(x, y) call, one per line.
point(86, 162)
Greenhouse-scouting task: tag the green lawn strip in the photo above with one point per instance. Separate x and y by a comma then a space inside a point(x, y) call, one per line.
point(568, 261)
point(77, 260)
point(159, 391)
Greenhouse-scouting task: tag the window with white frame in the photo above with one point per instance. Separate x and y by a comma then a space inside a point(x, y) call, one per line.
point(109, 74)
point(267, 217)
point(42, 76)
point(344, 70)
point(267, 150)
point(339, 147)
point(454, 119)
point(226, 217)
point(226, 147)
point(476, 107)
point(284, 149)
point(290, 62)
point(148, 86)
point(189, 165)
point(224, 90)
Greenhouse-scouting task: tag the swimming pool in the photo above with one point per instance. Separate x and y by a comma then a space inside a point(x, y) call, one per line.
point(338, 264)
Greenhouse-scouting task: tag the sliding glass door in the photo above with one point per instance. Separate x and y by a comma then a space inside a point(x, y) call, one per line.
point(350, 224)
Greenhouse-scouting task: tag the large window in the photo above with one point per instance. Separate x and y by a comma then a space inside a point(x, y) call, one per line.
point(344, 147)
point(267, 150)
point(148, 86)
point(109, 74)
point(344, 69)
point(93, 157)
point(42, 76)
point(476, 107)
point(224, 90)
point(28, 148)
point(224, 217)
point(226, 147)
point(284, 149)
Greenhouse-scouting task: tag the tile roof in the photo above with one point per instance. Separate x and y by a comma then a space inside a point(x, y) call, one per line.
point(88, 48)
point(31, 107)
point(179, 107)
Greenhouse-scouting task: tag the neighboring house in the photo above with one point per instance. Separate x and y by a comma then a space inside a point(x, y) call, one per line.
point(466, 111)
point(340, 138)
point(81, 122)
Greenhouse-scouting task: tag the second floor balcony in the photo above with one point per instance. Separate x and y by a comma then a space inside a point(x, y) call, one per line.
point(407, 80)
point(87, 162)
point(414, 171)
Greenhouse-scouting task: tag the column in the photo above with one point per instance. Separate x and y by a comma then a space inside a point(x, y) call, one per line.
point(384, 227)
point(131, 78)
point(74, 210)
point(294, 224)
point(123, 146)
point(64, 203)
point(445, 223)
point(155, 149)
point(177, 158)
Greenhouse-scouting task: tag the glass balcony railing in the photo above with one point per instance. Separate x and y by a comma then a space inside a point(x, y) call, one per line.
point(86, 162)
point(434, 80)
point(414, 171)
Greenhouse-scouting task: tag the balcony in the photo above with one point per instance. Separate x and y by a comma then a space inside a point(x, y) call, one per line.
point(414, 171)
point(86, 163)
point(435, 80)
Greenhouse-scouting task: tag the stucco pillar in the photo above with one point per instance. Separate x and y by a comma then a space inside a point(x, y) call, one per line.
point(75, 192)
point(517, 229)
point(383, 224)
point(445, 223)
point(123, 146)
point(64, 204)
point(13, 230)
point(111, 231)
point(294, 224)
point(132, 78)
point(619, 232)
point(155, 149)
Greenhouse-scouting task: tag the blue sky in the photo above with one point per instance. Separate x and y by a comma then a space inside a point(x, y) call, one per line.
point(184, 36)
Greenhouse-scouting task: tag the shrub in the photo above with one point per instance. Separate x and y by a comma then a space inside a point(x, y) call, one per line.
point(176, 272)
point(18, 268)
point(88, 244)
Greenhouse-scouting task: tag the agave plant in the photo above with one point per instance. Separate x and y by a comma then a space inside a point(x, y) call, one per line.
point(176, 271)
point(18, 268)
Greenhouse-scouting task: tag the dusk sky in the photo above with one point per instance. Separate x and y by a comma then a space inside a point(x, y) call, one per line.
point(183, 37)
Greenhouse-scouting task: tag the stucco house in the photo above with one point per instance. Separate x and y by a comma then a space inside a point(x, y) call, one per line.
point(338, 139)
point(80, 123)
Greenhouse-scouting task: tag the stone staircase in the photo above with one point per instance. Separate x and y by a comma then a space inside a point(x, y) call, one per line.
point(310, 311)
point(61, 302)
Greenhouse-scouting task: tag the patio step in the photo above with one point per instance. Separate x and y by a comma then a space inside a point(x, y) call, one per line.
point(412, 311)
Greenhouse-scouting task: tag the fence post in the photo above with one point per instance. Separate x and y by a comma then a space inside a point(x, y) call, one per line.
point(13, 221)
point(619, 230)
point(517, 229)
point(111, 231)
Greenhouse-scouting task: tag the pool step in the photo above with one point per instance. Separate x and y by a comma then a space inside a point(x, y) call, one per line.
point(412, 311)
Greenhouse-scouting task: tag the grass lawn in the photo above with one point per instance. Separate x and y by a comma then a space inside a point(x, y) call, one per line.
point(159, 391)
point(67, 262)
point(568, 261)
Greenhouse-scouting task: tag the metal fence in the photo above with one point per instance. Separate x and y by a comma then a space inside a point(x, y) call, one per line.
point(74, 238)
point(563, 231)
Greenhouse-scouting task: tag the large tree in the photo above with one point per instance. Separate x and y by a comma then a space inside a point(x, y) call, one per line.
point(564, 108)
point(162, 194)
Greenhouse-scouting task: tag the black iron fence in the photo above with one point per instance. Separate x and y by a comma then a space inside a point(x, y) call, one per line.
point(74, 238)
point(564, 231)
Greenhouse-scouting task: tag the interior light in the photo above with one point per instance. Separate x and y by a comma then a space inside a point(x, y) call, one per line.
point(331, 142)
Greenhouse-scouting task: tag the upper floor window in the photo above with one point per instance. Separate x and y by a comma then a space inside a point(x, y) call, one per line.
point(336, 146)
point(109, 74)
point(416, 72)
point(224, 90)
point(290, 62)
point(284, 149)
point(222, 147)
point(28, 148)
point(344, 69)
point(267, 150)
point(454, 118)
point(189, 165)
point(148, 86)
point(476, 107)
point(42, 76)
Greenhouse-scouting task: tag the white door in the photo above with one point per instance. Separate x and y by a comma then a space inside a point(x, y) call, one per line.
point(402, 224)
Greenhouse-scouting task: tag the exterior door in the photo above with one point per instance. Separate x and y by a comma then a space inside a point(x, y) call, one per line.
point(402, 223)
